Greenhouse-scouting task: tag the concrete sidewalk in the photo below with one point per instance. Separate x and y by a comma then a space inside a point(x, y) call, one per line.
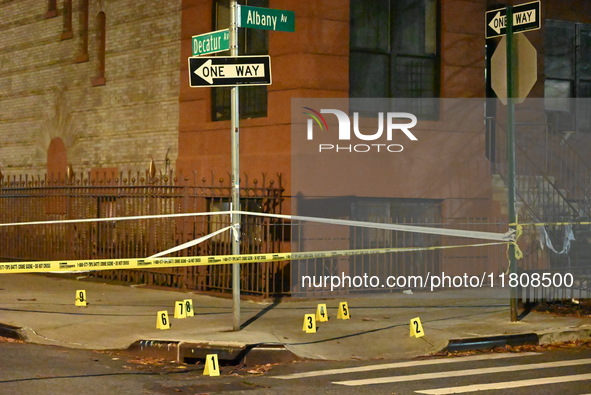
point(41, 309)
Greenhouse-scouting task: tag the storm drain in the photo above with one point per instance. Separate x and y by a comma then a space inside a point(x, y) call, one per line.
point(228, 354)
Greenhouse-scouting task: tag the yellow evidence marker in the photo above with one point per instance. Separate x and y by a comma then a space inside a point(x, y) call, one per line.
point(309, 323)
point(416, 328)
point(212, 367)
point(321, 313)
point(344, 313)
point(80, 297)
point(179, 309)
point(162, 321)
point(189, 307)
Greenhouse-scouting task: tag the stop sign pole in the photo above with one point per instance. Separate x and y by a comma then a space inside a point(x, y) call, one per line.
point(511, 153)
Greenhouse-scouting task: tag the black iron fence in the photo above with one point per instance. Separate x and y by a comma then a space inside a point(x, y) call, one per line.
point(108, 195)
point(553, 187)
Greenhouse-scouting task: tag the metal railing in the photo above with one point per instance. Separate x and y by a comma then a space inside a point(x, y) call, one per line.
point(553, 184)
point(421, 263)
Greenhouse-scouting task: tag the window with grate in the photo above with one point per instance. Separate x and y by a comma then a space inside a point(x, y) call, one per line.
point(567, 70)
point(394, 52)
point(253, 99)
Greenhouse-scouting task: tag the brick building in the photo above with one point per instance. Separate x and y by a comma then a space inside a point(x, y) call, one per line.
point(104, 85)
point(90, 83)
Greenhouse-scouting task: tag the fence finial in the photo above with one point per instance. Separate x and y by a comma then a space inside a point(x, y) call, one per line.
point(152, 169)
point(70, 173)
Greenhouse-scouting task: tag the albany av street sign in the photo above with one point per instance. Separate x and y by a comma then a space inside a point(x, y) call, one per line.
point(525, 17)
point(266, 18)
point(214, 71)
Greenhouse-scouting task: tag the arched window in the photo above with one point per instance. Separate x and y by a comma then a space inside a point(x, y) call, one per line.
point(67, 29)
point(83, 26)
point(101, 43)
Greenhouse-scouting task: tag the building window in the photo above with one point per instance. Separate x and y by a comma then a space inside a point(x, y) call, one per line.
point(51, 9)
point(253, 99)
point(101, 43)
point(67, 29)
point(567, 70)
point(83, 26)
point(394, 51)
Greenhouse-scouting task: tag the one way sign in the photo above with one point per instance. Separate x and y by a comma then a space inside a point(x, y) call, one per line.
point(526, 17)
point(214, 71)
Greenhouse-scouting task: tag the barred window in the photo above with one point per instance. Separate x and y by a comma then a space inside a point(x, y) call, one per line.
point(567, 68)
point(394, 51)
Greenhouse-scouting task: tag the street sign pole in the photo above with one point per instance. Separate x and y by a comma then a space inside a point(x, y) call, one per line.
point(233, 71)
point(235, 142)
point(511, 58)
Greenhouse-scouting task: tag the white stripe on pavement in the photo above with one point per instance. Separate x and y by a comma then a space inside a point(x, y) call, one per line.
point(405, 364)
point(467, 372)
point(507, 384)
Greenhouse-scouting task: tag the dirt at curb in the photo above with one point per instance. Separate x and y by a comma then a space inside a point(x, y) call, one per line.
point(573, 308)
point(577, 344)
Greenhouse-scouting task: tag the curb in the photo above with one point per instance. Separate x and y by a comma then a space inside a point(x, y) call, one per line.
point(543, 338)
point(565, 336)
point(228, 353)
point(487, 343)
point(11, 332)
point(191, 352)
point(232, 353)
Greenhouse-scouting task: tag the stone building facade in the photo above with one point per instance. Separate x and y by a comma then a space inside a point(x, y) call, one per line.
point(92, 84)
point(104, 84)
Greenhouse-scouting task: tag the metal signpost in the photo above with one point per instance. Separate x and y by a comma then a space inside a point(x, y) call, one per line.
point(234, 71)
point(511, 153)
point(235, 142)
point(507, 21)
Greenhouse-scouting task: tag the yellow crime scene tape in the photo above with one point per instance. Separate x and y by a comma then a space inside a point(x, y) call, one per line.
point(550, 223)
point(518, 226)
point(157, 263)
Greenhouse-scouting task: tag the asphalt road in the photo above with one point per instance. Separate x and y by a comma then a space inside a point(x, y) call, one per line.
point(35, 369)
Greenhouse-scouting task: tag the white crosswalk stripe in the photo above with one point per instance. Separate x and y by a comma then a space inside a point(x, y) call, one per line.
point(507, 384)
point(466, 372)
point(398, 365)
point(431, 372)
